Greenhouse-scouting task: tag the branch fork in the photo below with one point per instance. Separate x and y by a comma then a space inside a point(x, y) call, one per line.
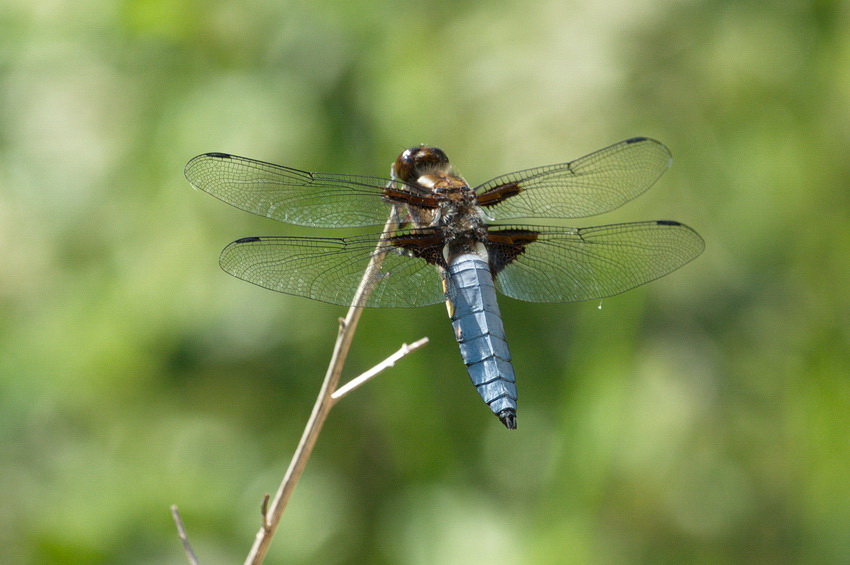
point(329, 394)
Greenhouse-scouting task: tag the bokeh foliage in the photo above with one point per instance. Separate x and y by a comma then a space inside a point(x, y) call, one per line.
point(700, 419)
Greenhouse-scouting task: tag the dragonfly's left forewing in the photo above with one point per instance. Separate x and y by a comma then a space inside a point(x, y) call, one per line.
point(591, 185)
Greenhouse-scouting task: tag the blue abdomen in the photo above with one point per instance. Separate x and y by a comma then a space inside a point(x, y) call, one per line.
point(480, 334)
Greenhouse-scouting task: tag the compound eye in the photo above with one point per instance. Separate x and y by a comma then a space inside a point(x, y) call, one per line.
point(404, 167)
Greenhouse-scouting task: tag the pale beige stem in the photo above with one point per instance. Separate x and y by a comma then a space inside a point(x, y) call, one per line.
point(324, 402)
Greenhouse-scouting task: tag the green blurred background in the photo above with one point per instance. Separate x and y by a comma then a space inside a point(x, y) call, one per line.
point(703, 418)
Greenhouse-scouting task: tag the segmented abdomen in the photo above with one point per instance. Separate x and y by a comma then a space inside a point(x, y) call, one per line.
point(480, 334)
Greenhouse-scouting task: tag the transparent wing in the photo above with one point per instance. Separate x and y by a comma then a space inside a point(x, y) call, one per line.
point(590, 185)
point(573, 264)
point(331, 269)
point(325, 200)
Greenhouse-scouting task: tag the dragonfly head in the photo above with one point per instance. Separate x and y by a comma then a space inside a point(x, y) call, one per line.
point(418, 161)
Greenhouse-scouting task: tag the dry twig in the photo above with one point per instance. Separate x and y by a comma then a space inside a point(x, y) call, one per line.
point(325, 401)
point(328, 395)
point(184, 539)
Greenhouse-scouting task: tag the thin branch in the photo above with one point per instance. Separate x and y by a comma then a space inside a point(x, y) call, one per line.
point(184, 539)
point(264, 511)
point(356, 382)
point(324, 402)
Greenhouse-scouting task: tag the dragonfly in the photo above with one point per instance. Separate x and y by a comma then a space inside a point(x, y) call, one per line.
point(445, 241)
